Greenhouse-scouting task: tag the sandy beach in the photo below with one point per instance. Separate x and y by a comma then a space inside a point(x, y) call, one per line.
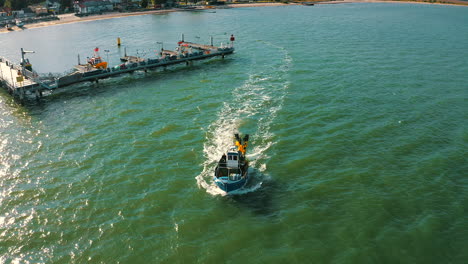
point(71, 18)
point(453, 2)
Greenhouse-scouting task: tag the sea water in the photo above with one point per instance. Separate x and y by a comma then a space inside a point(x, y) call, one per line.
point(357, 115)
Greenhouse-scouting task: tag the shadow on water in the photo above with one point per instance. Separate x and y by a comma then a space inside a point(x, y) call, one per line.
point(261, 201)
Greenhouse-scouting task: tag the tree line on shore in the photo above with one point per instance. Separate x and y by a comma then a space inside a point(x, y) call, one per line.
point(20, 4)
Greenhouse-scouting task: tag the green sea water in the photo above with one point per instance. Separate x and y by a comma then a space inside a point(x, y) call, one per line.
point(357, 115)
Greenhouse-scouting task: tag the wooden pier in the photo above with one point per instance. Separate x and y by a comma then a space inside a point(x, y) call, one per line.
point(21, 82)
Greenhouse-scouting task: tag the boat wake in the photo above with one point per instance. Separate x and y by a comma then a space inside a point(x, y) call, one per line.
point(253, 108)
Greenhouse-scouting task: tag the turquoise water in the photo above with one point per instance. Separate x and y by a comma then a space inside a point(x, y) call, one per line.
point(357, 115)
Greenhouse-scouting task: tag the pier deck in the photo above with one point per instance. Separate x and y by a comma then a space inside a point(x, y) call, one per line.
point(9, 74)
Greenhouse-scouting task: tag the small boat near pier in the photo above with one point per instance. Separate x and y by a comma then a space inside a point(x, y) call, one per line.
point(96, 61)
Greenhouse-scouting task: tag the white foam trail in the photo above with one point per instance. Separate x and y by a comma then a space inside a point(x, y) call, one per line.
point(260, 98)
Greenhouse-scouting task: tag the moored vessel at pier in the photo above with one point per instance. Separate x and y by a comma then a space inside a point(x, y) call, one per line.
point(96, 61)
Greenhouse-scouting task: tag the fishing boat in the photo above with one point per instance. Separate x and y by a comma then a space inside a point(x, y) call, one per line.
point(231, 173)
point(96, 61)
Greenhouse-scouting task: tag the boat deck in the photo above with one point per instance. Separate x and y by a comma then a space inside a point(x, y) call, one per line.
point(132, 59)
point(169, 53)
point(85, 68)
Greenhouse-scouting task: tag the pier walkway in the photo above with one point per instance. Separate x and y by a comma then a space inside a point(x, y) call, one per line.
point(21, 82)
point(12, 77)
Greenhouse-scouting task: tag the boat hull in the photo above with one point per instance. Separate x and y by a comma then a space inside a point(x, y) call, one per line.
point(101, 65)
point(228, 185)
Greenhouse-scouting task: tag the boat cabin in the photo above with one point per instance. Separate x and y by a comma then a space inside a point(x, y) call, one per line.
point(229, 165)
point(232, 158)
point(94, 60)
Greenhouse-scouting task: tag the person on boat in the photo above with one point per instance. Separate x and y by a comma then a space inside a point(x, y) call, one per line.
point(223, 159)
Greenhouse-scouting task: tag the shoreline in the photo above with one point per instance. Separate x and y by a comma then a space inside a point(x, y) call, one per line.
point(389, 1)
point(71, 18)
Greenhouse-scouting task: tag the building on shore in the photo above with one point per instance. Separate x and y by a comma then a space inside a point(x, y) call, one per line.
point(53, 6)
point(39, 9)
point(87, 7)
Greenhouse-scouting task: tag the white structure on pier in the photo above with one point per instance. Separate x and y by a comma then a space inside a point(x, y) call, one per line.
point(12, 77)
